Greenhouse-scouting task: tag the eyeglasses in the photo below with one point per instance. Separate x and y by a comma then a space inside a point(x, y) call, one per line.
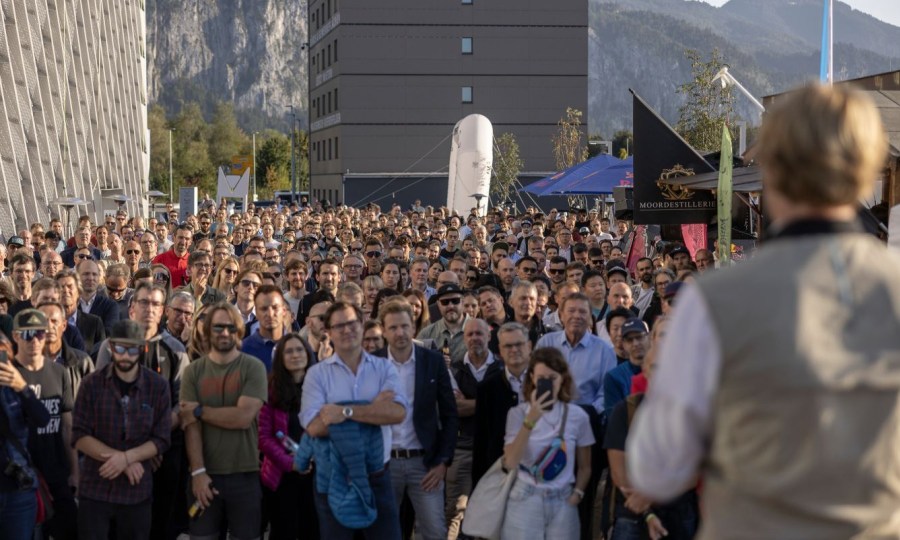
point(146, 302)
point(29, 335)
point(160, 276)
point(471, 277)
point(115, 291)
point(132, 252)
point(528, 269)
point(450, 301)
point(355, 250)
point(557, 271)
point(662, 283)
point(272, 275)
point(340, 327)
point(373, 254)
point(221, 328)
point(353, 266)
point(182, 312)
point(250, 283)
point(129, 350)
point(203, 266)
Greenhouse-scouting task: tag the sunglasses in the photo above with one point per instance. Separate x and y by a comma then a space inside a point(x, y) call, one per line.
point(132, 252)
point(220, 328)
point(373, 254)
point(557, 271)
point(250, 283)
point(83, 256)
point(132, 350)
point(229, 271)
point(29, 335)
point(450, 301)
point(115, 291)
point(272, 275)
point(159, 276)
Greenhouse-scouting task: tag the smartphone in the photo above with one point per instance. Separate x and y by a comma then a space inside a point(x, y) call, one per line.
point(544, 386)
point(3, 358)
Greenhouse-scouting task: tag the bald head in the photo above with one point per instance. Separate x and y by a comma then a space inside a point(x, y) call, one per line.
point(447, 277)
point(619, 296)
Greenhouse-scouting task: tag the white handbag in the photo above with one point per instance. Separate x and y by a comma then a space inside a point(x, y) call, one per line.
point(487, 505)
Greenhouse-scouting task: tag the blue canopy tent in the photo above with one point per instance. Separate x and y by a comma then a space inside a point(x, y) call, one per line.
point(596, 181)
point(547, 186)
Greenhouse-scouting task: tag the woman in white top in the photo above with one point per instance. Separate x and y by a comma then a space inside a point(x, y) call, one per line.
point(543, 502)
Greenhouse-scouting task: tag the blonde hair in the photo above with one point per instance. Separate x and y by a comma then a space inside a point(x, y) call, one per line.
point(823, 146)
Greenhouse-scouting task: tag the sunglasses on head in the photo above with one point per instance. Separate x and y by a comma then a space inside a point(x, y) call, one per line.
point(29, 335)
point(130, 350)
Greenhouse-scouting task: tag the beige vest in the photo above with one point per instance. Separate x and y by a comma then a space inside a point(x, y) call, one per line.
point(806, 421)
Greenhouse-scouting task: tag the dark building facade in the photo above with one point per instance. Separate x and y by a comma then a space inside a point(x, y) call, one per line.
point(390, 79)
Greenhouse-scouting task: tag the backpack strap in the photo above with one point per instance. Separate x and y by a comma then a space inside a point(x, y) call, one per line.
point(562, 425)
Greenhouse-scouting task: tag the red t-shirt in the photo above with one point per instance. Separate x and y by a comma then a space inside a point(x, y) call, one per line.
point(177, 266)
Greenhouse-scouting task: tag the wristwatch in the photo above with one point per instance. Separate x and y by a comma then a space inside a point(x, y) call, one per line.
point(198, 412)
point(347, 412)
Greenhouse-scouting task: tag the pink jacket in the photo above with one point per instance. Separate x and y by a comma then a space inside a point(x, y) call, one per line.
point(276, 460)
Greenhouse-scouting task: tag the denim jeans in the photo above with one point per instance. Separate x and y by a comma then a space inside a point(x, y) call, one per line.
point(629, 529)
point(17, 513)
point(459, 487)
point(533, 513)
point(386, 525)
point(406, 476)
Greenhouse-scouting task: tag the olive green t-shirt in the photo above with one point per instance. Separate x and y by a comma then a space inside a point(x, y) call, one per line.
point(226, 451)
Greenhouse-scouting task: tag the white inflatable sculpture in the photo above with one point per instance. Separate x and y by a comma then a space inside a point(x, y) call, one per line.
point(471, 162)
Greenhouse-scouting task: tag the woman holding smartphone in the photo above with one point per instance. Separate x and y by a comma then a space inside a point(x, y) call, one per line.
point(549, 443)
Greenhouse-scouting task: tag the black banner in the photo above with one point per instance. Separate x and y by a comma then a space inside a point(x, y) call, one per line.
point(659, 152)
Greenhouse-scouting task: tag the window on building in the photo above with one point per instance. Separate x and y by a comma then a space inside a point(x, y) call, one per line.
point(336, 108)
point(329, 149)
point(328, 48)
point(328, 8)
point(335, 51)
point(336, 146)
point(466, 45)
point(467, 94)
point(329, 102)
point(467, 2)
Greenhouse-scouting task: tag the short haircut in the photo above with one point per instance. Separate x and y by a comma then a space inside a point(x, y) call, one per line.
point(340, 306)
point(395, 306)
point(421, 260)
point(526, 258)
point(23, 258)
point(267, 289)
point(556, 259)
point(523, 286)
point(512, 326)
point(618, 312)
point(196, 256)
point(590, 274)
point(118, 270)
point(490, 290)
point(580, 296)
point(43, 284)
point(575, 266)
point(150, 287)
point(182, 296)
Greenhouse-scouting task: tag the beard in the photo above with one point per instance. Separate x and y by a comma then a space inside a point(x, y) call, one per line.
point(125, 366)
point(647, 278)
point(223, 345)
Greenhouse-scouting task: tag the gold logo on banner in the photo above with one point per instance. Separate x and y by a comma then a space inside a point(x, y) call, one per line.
point(674, 192)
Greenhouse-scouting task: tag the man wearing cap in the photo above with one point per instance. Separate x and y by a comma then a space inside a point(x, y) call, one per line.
point(446, 333)
point(681, 258)
point(789, 414)
point(116, 483)
point(522, 237)
point(635, 339)
point(50, 447)
point(615, 273)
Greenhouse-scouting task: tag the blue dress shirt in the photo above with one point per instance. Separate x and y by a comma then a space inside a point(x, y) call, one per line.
point(589, 360)
point(332, 381)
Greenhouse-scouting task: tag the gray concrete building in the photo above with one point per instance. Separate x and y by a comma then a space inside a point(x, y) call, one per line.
point(73, 108)
point(390, 79)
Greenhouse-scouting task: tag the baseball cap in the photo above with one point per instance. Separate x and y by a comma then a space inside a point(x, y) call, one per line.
point(584, 230)
point(450, 288)
point(527, 222)
point(127, 331)
point(30, 319)
point(615, 266)
point(634, 325)
point(15, 241)
point(679, 250)
point(672, 289)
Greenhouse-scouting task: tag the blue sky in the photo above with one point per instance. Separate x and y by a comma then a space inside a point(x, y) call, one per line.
point(886, 10)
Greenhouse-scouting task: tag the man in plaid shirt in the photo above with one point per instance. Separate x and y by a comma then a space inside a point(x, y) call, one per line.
point(122, 419)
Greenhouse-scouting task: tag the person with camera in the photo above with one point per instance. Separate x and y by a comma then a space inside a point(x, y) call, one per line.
point(20, 412)
point(549, 442)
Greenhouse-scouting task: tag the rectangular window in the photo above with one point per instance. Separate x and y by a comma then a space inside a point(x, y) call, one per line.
point(466, 45)
point(336, 146)
point(336, 100)
point(467, 94)
point(329, 149)
point(328, 48)
point(329, 102)
point(467, 2)
point(335, 51)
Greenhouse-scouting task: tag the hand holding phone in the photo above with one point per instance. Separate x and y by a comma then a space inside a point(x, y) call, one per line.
point(544, 389)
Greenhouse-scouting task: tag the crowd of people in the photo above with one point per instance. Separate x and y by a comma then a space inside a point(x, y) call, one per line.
point(309, 371)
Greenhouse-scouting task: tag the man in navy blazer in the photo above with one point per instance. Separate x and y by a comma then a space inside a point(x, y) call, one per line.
point(423, 444)
point(91, 301)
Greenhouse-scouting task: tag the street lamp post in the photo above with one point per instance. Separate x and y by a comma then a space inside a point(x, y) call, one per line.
point(171, 183)
point(254, 165)
point(293, 155)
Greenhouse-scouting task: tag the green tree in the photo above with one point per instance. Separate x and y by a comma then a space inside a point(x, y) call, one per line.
point(225, 137)
point(191, 162)
point(568, 145)
point(623, 143)
point(273, 162)
point(506, 168)
point(159, 148)
point(707, 106)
